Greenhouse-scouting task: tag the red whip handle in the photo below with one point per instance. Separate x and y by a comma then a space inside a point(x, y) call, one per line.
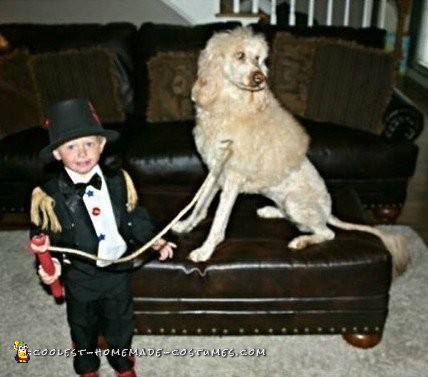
point(45, 260)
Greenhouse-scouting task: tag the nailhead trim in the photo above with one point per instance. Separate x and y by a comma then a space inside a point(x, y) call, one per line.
point(270, 330)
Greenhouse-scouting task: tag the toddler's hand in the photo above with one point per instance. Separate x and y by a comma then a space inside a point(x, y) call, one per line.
point(49, 279)
point(165, 248)
point(37, 247)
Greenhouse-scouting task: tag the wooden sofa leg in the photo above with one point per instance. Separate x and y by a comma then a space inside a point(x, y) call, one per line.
point(363, 340)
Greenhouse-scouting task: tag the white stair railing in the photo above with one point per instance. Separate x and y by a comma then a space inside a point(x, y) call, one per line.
point(239, 9)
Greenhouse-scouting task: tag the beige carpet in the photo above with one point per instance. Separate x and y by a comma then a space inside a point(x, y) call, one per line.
point(29, 315)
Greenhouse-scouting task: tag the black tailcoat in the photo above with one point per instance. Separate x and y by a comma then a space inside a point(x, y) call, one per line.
point(136, 227)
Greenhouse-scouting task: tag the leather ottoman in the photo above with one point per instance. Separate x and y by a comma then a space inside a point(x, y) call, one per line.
point(254, 284)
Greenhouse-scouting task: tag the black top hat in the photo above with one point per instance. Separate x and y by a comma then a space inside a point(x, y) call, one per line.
point(71, 119)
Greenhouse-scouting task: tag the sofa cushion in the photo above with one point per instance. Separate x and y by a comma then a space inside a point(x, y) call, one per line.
point(85, 73)
point(259, 246)
point(351, 86)
point(344, 153)
point(331, 80)
point(155, 38)
point(165, 152)
point(291, 70)
point(120, 38)
point(171, 77)
point(253, 283)
point(18, 97)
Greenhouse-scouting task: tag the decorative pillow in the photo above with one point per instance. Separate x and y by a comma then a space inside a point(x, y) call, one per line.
point(332, 80)
point(18, 98)
point(291, 70)
point(352, 86)
point(171, 77)
point(86, 73)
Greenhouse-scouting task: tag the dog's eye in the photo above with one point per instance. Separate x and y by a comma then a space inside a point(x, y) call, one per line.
point(240, 55)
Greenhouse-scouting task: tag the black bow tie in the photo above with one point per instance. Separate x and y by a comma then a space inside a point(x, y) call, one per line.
point(95, 182)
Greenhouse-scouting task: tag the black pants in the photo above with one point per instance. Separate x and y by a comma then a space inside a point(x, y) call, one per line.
point(101, 304)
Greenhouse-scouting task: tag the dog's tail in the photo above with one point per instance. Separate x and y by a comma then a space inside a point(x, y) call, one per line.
point(395, 244)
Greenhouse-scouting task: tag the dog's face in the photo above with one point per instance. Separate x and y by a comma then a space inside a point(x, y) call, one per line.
point(232, 59)
point(245, 63)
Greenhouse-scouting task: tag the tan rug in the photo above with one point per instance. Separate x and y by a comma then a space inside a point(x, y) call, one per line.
point(27, 314)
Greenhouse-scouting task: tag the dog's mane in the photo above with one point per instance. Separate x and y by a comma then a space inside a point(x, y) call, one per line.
point(249, 118)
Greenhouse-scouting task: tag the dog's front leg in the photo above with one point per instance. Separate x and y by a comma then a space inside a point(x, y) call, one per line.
point(221, 218)
point(201, 207)
point(209, 191)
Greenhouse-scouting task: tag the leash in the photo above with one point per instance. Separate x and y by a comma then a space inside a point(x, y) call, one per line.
point(225, 152)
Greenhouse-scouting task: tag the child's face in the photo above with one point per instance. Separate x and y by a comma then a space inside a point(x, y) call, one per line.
point(81, 155)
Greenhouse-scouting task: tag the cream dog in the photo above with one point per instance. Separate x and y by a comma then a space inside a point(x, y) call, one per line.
point(237, 113)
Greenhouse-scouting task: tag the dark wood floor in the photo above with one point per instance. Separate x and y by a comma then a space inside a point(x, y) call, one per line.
point(415, 211)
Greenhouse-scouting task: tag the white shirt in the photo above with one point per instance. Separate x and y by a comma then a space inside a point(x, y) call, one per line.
point(98, 204)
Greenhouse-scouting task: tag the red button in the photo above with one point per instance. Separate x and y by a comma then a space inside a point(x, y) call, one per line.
point(96, 211)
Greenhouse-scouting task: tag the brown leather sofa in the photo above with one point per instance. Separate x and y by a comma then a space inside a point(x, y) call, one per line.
point(161, 156)
point(253, 284)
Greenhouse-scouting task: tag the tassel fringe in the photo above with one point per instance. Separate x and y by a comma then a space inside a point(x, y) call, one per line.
point(397, 246)
point(132, 196)
point(42, 211)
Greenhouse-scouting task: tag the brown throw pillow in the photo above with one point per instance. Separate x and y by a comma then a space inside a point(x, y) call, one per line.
point(291, 70)
point(351, 86)
point(86, 73)
point(171, 76)
point(18, 99)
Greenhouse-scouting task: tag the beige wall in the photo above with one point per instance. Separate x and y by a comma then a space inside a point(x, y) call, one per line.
point(85, 11)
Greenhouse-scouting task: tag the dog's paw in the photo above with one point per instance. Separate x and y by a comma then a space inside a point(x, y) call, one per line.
point(201, 254)
point(300, 242)
point(306, 240)
point(270, 212)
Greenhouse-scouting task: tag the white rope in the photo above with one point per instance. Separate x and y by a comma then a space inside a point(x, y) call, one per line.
point(225, 153)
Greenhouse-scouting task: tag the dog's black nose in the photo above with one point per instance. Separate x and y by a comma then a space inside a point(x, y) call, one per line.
point(258, 78)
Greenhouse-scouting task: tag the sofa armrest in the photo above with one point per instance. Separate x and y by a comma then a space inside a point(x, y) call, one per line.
point(402, 119)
